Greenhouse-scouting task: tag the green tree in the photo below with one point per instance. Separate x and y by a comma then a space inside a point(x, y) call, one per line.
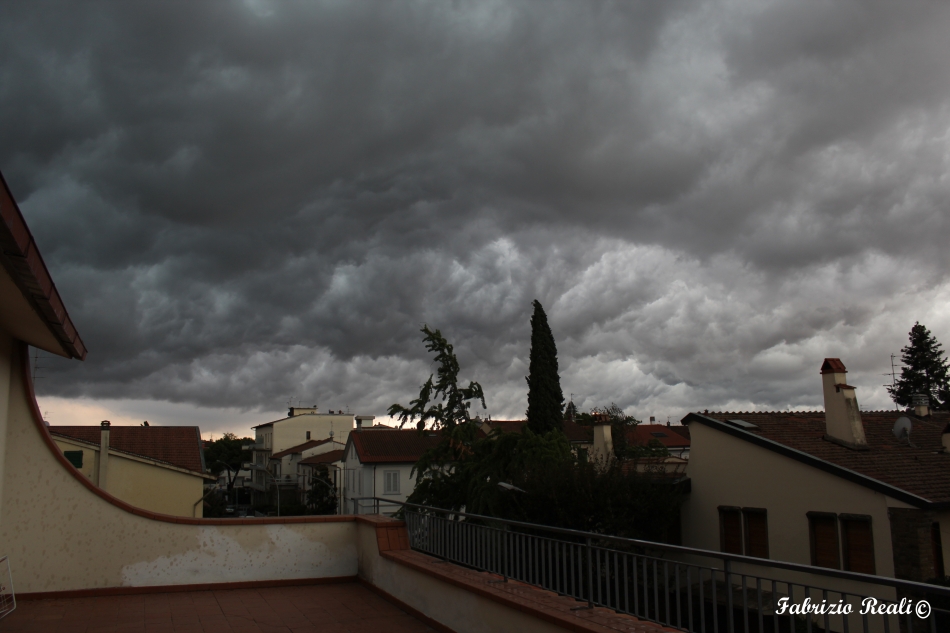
point(322, 497)
point(925, 371)
point(545, 398)
point(227, 450)
point(455, 402)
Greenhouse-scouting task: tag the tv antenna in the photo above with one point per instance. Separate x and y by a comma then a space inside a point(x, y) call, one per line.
point(893, 373)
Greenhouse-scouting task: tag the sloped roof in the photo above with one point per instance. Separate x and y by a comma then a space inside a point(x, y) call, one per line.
point(918, 474)
point(329, 457)
point(299, 448)
point(641, 434)
point(392, 447)
point(574, 431)
point(177, 445)
point(22, 260)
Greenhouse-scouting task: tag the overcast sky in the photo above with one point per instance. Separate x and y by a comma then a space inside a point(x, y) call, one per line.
point(247, 203)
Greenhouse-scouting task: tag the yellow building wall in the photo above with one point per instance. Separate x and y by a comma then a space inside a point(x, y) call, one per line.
point(141, 484)
point(728, 471)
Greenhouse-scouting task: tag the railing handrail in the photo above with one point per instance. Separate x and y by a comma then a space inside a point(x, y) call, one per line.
point(724, 556)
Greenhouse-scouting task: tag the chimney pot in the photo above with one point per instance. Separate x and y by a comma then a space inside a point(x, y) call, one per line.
point(921, 405)
point(842, 416)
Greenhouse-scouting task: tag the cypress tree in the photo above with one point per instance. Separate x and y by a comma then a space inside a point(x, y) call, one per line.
point(545, 398)
point(925, 371)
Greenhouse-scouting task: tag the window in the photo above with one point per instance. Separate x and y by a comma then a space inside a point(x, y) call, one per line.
point(308, 435)
point(937, 545)
point(756, 532)
point(730, 530)
point(391, 482)
point(857, 544)
point(744, 531)
point(823, 533)
point(658, 434)
point(74, 457)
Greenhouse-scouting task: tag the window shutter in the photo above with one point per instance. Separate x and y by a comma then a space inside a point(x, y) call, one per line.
point(756, 533)
point(858, 544)
point(937, 545)
point(730, 530)
point(823, 529)
point(74, 457)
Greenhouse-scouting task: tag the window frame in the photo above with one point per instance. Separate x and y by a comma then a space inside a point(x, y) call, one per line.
point(746, 541)
point(812, 516)
point(843, 539)
point(722, 528)
point(391, 475)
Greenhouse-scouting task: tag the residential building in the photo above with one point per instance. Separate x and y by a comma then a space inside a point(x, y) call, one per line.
point(301, 425)
point(843, 489)
point(580, 437)
point(675, 439)
point(157, 468)
point(378, 463)
point(329, 463)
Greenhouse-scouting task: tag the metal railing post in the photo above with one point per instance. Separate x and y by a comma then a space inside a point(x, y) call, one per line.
point(590, 576)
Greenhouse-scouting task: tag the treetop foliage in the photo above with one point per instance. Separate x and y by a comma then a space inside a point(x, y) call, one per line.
point(925, 371)
point(455, 402)
point(545, 398)
point(227, 449)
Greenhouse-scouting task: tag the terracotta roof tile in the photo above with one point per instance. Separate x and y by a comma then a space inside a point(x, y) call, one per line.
point(299, 448)
point(176, 445)
point(641, 434)
point(324, 458)
point(574, 431)
point(922, 469)
point(397, 446)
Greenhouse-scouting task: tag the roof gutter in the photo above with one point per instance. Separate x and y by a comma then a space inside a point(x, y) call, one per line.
point(820, 464)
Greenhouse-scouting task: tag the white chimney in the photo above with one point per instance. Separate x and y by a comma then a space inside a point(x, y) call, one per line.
point(921, 405)
point(102, 477)
point(603, 440)
point(842, 416)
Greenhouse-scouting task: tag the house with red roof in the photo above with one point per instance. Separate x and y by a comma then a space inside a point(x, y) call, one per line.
point(861, 491)
point(157, 468)
point(378, 463)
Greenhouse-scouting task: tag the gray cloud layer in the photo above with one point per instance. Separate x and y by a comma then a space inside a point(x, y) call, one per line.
point(245, 202)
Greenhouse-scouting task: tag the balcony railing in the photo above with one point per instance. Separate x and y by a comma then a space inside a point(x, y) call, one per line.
point(686, 588)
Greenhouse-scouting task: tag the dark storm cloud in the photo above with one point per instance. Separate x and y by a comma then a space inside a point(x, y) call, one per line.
point(242, 202)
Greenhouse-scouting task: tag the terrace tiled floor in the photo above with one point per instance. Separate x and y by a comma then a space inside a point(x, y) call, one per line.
point(340, 608)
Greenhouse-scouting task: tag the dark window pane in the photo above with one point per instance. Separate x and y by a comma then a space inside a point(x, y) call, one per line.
point(858, 545)
point(74, 457)
point(824, 541)
point(935, 541)
point(756, 533)
point(730, 531)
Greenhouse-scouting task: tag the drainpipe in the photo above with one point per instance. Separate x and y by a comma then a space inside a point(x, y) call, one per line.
point(102, 477)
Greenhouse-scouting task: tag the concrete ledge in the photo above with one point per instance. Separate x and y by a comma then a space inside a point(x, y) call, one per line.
point(531, 601)
point(213, 586)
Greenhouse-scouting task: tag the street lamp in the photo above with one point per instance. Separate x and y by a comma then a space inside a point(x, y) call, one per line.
point(250, 466)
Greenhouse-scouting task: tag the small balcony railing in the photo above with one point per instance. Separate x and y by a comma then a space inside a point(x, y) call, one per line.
point(686, 588)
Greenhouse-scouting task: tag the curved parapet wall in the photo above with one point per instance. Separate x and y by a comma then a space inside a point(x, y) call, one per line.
point(62, 533)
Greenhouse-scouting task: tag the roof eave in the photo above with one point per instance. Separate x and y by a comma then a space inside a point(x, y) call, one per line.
point(821, 464)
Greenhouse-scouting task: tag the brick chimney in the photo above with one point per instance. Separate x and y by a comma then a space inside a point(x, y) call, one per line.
point(603, 440)
point(102, 477)
point(842, 417)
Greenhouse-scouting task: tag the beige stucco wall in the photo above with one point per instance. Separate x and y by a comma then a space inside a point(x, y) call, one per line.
point(293, 431)
point(728, 471)
point(62, 536)
point(6, 368)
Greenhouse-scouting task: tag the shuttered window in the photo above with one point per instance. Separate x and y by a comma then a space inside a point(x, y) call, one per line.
point(935, 542)
point(730, 530)
point(74, 457)
point(823, 530)
point(857, 544)
point(756, 532)
point(391, 482)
